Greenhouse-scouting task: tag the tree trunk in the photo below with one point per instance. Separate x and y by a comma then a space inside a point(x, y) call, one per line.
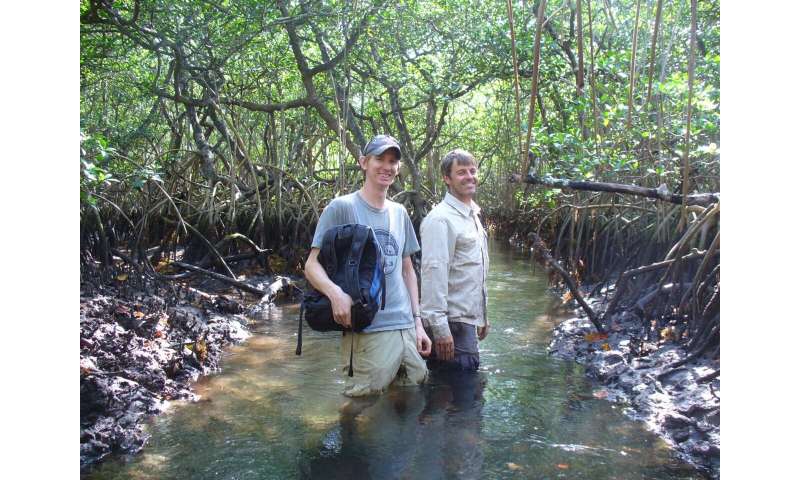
point(534, 79)
point(580, 80)
point(595, 113)
point(632, 75)
point(692, 43)
point(516, 83)
point(653, 44)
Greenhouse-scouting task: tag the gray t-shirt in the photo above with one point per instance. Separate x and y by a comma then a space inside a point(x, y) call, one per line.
point(395, 234)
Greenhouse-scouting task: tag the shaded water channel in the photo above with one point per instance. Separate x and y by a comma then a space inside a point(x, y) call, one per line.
point(271, 414)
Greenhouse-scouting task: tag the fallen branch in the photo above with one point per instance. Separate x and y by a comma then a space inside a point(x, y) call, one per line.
point(544, 255)
point(279, 284)
point(222, 278)
point(660, 193)
point(232, 258)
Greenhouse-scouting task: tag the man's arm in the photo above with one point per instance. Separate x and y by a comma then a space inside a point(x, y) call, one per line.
point(483, 331)
point(436, 254)
point(410, 279)
point(340, 301)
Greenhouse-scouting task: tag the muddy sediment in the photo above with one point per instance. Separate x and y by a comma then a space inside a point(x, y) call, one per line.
point(141, 352)
point(681, 405)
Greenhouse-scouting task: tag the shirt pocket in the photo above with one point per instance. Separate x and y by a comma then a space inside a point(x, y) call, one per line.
point(468, 249)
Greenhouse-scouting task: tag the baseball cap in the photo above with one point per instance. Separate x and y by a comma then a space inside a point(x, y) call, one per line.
point(381, 143)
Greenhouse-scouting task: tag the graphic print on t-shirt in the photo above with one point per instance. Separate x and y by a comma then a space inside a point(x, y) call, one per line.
point(389, 248)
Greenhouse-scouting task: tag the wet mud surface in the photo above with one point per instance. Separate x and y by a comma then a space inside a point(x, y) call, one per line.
point(140, 352)
point(681, 405)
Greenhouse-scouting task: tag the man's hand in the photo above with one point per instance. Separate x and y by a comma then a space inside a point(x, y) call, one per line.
point(341, 304)
point(423, 342)
point(483, 332)
point(444, 348)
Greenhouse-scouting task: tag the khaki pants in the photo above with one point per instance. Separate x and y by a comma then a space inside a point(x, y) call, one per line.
point(380, 359)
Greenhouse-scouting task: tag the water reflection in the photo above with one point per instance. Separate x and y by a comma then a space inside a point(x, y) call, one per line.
point(430, 432)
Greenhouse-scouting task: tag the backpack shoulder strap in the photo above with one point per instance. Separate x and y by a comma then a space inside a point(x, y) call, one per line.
point(360, 236)
point(379, 265)
point(328, 250)
point(299, 348)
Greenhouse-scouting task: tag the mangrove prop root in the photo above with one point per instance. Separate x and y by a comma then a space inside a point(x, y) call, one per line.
point(211, 248)
point(662, 194)
point(238, 236)
point(699, 274)
point(545, 256)
point(623, 279)
point(691, 356)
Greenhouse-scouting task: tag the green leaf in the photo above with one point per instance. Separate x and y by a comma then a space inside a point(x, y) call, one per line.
point(88, 198)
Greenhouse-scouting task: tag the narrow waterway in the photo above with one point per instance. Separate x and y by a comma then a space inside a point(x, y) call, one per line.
point(271, 414)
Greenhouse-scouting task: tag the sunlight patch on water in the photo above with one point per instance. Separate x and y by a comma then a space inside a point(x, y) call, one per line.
point(152, 463)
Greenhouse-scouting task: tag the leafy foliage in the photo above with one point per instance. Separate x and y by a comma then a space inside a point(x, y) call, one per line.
point(241, 110)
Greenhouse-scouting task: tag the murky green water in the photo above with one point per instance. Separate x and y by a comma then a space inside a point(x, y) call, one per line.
point(271, 414)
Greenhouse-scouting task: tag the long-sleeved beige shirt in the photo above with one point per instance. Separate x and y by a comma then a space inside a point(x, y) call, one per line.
point(455, 262)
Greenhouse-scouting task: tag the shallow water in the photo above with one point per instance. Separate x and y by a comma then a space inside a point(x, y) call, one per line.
point(271, 414)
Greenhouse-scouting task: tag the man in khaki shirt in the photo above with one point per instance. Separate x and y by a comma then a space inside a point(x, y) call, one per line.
point(455, 262)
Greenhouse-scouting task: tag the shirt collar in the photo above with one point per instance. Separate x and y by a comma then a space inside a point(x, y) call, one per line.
point(463, 208)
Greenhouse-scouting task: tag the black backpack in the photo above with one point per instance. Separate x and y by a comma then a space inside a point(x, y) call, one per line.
point(352, 258)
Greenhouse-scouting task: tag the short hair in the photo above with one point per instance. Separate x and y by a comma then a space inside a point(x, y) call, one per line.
point(458, 156)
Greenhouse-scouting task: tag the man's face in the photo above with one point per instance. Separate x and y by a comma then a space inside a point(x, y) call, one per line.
point(463, 180)
point(381, 170)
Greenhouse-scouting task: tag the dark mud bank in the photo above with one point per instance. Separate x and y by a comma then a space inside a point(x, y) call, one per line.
point(681, 405)
point(140, 352)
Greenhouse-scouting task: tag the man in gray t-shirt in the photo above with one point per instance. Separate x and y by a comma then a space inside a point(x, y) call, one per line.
point(397, 240)
point(389, 349)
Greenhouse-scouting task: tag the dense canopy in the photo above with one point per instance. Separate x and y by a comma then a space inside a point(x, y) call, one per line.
point(246, 115)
